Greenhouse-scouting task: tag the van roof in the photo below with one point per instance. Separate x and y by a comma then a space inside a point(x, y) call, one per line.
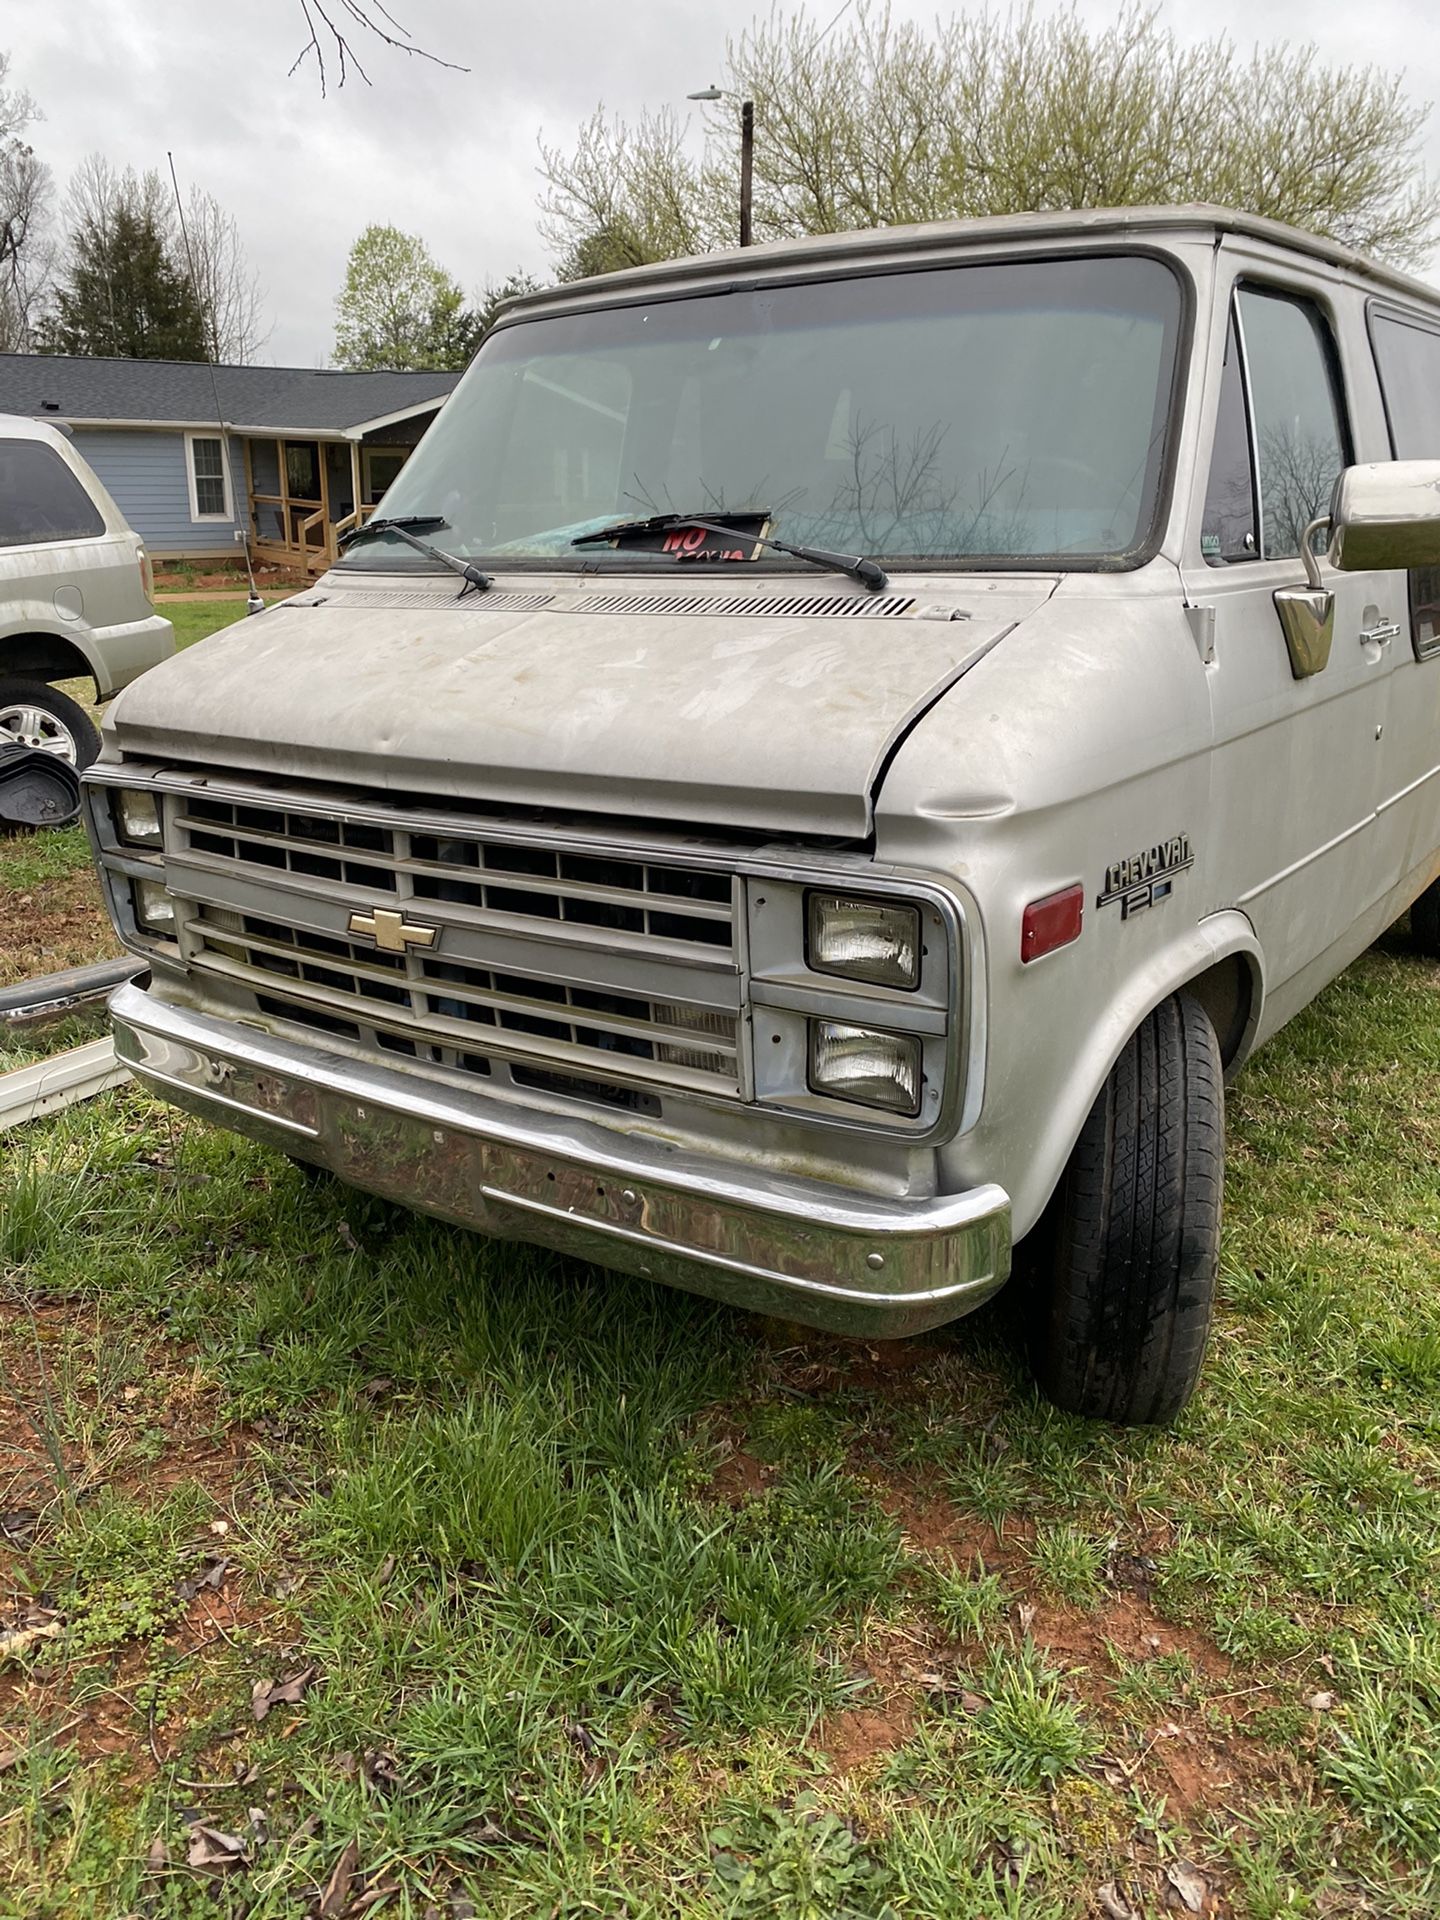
point(944, 237)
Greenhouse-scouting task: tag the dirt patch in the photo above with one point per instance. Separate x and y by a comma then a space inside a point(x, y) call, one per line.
point(934, 1525)
point(52, 925)
point(119, 1710)
point(738, 1478)
point(814, 1364)
point(226, 579)
point(1128, 1623)
point(854, 1740)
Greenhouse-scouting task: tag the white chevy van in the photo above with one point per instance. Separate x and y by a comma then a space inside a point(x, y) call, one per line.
point(825, 757)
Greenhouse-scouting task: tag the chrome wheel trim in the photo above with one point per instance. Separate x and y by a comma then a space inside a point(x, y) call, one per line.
point(24, 724)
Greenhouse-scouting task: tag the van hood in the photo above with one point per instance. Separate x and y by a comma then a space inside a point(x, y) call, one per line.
point(745, 709)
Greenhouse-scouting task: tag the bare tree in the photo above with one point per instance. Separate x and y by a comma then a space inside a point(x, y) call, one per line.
point(228, 290)
point(96, 191)
point(329, 25)
point(26, 249)
point(626, 195)
point(878, 123)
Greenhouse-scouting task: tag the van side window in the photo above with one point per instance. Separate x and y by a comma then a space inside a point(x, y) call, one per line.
point(41, 499)
point(1227, 531)
point(1407, 357)
point(1300, 439)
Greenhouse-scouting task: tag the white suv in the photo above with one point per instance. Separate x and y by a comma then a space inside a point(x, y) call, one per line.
point(75, 587)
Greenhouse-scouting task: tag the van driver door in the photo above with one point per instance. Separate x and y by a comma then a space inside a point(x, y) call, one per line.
point(1298, 770)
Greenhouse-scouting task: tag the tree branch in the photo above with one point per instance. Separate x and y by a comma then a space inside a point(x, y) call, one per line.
point(328, 23)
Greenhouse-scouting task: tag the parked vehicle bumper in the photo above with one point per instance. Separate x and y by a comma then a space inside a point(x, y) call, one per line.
point(803, 1249)
point(123, 653)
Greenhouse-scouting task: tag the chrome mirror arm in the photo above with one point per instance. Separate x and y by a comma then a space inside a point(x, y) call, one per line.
point(1321, 522)
point(1307, 614)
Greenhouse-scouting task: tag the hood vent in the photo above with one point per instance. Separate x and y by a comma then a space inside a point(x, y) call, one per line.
point(497, 600)
point(765, 606)
point(773, 606)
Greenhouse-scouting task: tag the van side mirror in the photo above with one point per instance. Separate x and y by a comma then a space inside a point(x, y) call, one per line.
point(1384, 514)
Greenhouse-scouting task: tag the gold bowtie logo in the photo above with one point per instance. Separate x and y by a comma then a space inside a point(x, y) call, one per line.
point(390, 931)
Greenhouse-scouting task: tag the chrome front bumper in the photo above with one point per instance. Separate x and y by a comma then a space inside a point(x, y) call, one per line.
point(801, 1249)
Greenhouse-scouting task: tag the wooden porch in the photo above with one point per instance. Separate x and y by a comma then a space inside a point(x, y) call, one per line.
point(304, 496)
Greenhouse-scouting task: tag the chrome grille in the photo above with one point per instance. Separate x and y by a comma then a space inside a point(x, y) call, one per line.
point(582, 958)
point(642, 903)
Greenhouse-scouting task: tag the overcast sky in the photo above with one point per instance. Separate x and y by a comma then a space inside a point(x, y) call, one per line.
point(452, 155)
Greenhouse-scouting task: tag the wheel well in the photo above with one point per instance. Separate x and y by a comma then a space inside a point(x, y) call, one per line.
point(43, 656)
point(1228, 993)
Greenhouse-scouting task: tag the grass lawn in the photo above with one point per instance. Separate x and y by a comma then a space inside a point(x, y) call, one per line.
point(196, 619)
point(358, 1566)
point(50, 912)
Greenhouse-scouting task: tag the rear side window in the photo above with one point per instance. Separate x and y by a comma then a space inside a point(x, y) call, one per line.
point(1300, 439)
point(41, 499)
point(1407, 357)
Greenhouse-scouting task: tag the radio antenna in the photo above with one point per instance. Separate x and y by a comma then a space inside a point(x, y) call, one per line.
point(254, 604)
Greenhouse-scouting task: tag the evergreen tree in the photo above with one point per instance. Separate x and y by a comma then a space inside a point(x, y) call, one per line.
point(123, 294)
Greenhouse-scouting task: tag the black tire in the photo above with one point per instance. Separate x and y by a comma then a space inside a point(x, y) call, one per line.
point(64, 714)
point(1425, 922)
point(1129, 1284)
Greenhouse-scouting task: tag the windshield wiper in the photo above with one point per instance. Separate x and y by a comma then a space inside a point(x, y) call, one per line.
point(868, 572)
point(404, 529)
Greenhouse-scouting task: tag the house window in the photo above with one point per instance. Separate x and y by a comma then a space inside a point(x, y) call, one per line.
point(209, 481)
point(381, 466)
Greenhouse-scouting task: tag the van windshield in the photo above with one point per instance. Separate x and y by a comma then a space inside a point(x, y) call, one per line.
point(1009, 412)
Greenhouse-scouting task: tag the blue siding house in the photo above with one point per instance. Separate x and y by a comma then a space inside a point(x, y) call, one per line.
point(294, 457)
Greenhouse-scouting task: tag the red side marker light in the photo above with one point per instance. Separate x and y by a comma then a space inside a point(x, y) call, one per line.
point(1052, 922)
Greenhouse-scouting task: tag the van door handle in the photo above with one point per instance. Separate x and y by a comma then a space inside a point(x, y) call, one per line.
point(1381, 634)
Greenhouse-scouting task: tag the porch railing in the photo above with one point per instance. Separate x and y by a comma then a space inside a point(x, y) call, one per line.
point(301, 537)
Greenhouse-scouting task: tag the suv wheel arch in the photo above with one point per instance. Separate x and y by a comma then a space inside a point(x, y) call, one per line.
point(37, 655)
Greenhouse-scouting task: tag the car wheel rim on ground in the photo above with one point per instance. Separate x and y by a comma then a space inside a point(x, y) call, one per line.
point(31, 726)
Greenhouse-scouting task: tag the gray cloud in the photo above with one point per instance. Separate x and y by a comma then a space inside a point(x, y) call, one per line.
point(450, 155)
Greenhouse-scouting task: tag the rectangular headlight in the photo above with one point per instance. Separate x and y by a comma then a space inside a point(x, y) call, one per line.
point(154, 908)
point(874, 940)
point(872, 1068)
point(137, 818)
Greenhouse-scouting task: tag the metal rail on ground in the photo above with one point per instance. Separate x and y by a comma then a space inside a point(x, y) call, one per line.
point(46, 1086)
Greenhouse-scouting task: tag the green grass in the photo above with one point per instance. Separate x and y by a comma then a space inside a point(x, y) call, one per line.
point(952, 1653)
point(30, 859)
point(197, 619)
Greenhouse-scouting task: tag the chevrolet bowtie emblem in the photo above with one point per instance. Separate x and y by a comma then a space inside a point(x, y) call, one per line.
point(390, 931)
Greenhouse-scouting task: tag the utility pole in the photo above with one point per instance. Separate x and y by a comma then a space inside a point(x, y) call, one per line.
point(747, 167)
point(747, 155)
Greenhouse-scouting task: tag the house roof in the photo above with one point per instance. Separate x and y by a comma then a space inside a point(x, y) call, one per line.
point(292, 400)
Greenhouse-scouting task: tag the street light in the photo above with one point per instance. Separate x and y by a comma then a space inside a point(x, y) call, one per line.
point(747, 152)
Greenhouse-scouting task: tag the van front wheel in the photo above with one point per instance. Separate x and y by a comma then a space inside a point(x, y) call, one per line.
point(1129, 1277)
